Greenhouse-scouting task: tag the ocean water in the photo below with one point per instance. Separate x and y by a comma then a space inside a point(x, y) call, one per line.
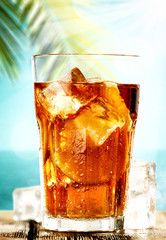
point(21, 169)
point(17, 170)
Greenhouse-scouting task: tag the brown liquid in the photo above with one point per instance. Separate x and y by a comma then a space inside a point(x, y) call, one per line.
point(130, 94)
point(81, 177)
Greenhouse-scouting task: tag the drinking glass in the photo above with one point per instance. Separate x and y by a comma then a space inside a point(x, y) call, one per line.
point(86, 110)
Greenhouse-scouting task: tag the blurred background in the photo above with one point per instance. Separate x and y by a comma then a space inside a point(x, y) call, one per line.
point(30, 27)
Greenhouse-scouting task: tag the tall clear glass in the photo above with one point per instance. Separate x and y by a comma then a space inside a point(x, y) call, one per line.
point(86, 110)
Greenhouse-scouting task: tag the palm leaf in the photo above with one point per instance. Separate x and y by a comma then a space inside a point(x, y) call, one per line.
point(26, 10)
point(11, 34)
point(23, 21)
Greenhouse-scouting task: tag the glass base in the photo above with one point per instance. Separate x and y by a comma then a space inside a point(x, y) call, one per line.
point(83, 225)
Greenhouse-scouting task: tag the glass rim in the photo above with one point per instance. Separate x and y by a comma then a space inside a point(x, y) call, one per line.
point(86, 54)
point(100, 83)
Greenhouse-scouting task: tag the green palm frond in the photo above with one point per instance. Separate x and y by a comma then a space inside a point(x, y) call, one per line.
point(11, 33)
point(22, 22)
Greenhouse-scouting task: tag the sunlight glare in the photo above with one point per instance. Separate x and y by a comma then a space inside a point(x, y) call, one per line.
point(155, 10)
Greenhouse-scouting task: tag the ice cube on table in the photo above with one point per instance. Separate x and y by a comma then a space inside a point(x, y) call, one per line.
point(27, 204)
point(140, 211)
point(142, 177)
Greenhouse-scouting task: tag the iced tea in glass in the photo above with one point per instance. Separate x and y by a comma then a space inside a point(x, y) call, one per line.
point(86, 126)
